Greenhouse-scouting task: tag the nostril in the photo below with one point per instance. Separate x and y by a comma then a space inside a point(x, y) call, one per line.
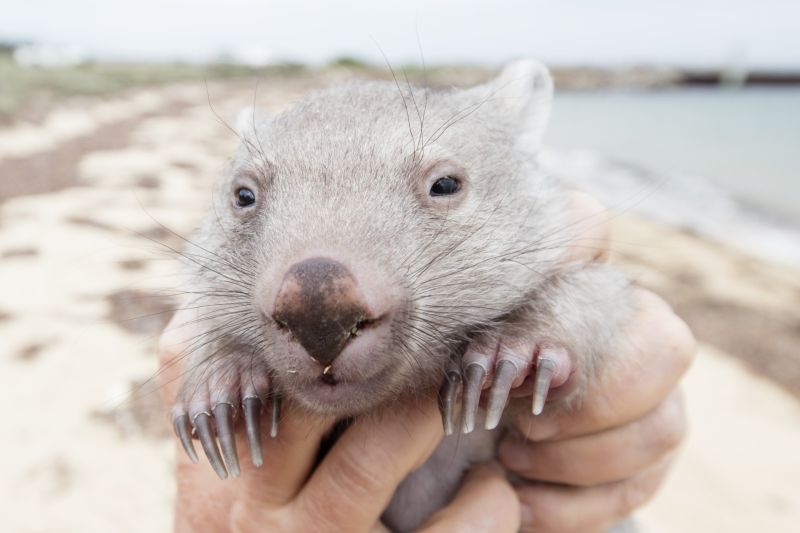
point(363, 324)
point(320, 306)
point(356, 329)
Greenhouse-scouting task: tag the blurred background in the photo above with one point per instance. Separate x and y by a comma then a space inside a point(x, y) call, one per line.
point(683, 117)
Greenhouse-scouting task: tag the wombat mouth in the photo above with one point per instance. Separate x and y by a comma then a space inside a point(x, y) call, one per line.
point(328, 379)
point(327, 392)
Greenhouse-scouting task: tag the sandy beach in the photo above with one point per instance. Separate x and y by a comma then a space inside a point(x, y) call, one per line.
point(94, 193)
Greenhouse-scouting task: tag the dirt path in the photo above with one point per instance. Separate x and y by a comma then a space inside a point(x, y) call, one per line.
point(83, 287)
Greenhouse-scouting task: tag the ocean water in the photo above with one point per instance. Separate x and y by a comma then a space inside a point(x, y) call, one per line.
point(723, 162)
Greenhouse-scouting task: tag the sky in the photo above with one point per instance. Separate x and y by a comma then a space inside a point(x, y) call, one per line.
point(700, 33)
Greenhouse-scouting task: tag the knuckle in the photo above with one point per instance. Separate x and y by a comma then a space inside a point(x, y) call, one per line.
point(545, 516)
point(318, 514)
point(243, 519)
point(555, 462)
point(684, 344)
point(355, 470)
point(677, 338)
point(523, 424)
point(537, 428)
point(334, 508)
point(636, 491)
point(490, 489)
point(651, 302)
point(548, 516)
point(668, 425)
point(630, 497)
point(500, 492)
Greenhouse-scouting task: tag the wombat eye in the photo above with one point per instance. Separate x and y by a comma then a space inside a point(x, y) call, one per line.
point(445, 186)
point(245, 197)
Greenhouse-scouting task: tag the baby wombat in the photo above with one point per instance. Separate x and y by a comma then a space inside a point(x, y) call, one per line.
point(379, 241)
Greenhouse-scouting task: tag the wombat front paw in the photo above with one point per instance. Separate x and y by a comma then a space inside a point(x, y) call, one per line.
point(209, 409)
point(490, 369)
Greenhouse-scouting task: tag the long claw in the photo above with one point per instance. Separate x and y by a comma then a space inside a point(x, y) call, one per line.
point(252, 423)
point(276, 415)
point(501, 387)
point(223, 416)
point(184, 433)
point(447, 398)
point(545, 370)
point(472, 394)
point(206, 433)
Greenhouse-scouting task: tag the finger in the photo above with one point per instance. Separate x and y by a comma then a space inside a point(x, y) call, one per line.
point(350, 489)
point(590, 222)
point(547, 508)
point(486, 502)
point(659, 348)
point(287, 459)
point(604, 457)
point(202, 500)
point(257, 498)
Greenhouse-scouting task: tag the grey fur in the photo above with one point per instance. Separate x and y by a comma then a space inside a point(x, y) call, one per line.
point(345, 170)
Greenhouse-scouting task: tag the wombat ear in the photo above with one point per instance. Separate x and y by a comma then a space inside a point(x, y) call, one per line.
point(525, 90)
point(250, 121)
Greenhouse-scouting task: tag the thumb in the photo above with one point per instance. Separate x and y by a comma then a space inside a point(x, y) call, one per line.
point(486, 502)
point(288, 459)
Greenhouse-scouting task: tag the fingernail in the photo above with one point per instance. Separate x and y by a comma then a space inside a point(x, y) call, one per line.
point(515, 454)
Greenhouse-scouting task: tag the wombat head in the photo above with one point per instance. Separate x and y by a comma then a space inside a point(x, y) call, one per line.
point(370, 230)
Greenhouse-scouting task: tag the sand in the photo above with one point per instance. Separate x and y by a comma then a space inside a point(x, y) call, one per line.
point(86, 283)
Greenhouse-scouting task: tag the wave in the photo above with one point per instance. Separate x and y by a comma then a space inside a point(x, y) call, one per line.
point(683, 201)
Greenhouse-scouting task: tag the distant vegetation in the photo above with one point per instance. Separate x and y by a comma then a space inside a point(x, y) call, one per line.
point(349, 61)
point(22, 86)
point(29, 86)
point(25, 86)
point(6, 48)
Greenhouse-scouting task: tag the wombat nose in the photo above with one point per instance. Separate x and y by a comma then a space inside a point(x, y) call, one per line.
point(320, 304)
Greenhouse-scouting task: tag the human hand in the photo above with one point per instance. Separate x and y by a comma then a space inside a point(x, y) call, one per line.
point(634, 411)
point(590, 468)
point(347, 491)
